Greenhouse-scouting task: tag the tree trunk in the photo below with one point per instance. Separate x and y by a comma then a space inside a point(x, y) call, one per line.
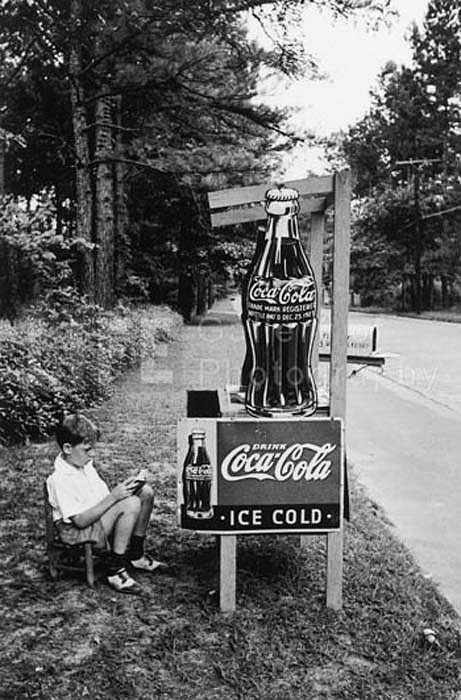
point(428, 291)
point(187, 294)
point(83, 190)
point(202, 295)
point(444, 291)
point(404, 293)
point(104, 203)
point(412, 290)
point(2, 166)
point(121, 242)
point(9, 284)
point(418, 245)
point(59, 210)
point(211, 293)
point(450, 295)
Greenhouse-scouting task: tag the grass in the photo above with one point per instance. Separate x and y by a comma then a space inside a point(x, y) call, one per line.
point(65, 641)
point(452, 315)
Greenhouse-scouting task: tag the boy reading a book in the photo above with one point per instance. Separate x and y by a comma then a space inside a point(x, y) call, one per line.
point(85, 509)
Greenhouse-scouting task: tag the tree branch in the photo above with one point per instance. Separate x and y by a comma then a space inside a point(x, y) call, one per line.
point(109, 125)
point(127, 88)
point(246, 112)
point(99, 59)
point(441, 213)
point(196, 171)
point(21, 62)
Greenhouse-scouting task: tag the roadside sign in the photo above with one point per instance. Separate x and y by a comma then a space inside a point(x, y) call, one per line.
point(268, 476)
point(228, 207)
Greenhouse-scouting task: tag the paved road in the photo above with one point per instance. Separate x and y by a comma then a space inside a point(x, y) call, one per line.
point(404, 437)
point(429, 361)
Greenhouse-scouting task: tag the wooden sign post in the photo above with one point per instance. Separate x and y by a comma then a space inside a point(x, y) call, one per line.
point(338, 365)
point(239, 205)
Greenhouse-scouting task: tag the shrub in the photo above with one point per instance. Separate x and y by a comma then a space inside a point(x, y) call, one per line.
point(35, 256)
point(62, 361)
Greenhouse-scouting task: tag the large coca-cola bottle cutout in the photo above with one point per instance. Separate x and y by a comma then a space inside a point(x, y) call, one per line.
point(280, 317)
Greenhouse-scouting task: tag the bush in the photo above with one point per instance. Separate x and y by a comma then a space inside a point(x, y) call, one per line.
point(68, 358)
point(34, 256)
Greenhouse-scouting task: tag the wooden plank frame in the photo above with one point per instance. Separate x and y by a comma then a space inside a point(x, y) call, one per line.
point(243, 204)
point(338, 364)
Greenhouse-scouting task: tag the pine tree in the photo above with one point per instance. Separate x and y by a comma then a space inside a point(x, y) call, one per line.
point(411, 139)
point(160, 88)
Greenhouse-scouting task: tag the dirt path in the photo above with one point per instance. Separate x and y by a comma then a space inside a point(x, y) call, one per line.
point(139, 421)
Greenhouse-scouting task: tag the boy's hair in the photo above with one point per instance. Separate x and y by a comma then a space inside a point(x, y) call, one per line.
point(75, 429)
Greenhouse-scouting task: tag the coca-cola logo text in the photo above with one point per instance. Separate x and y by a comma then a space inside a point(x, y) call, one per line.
point(299, 461)
point(292, 292)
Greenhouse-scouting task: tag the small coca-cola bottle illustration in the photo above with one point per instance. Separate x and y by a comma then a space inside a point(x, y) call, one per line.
point(280, 316)
point(197, 478)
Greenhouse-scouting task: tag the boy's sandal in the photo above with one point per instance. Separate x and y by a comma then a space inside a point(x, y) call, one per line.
point(123, 583)
point(148, 563)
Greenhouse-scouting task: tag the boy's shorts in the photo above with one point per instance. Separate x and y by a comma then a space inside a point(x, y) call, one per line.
point(70, 534)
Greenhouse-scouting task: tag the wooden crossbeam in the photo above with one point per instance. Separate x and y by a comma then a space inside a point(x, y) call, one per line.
point(258, 212)
point(369, 360)
point(308, 187)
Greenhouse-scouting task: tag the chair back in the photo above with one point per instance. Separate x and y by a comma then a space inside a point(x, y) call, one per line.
point(49, 524)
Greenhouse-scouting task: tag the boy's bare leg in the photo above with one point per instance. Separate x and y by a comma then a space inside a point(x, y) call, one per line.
point(146, 496)
point(121, 520)
point(139, 559)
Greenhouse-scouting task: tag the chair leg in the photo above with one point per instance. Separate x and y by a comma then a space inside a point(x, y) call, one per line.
point(52, 568)
point(89, 564)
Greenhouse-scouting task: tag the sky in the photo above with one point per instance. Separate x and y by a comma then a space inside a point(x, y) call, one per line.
point(352, 57)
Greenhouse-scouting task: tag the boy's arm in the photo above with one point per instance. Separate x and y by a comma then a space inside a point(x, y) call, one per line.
point(90, 515)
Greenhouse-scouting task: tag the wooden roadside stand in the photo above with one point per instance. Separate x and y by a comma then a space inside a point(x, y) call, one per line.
point(240, 205)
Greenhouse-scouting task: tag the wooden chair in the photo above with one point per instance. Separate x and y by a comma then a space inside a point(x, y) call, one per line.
point(65, 557)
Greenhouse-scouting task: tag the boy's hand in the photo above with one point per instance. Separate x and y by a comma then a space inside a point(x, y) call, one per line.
point(142, 475)
point(123, 490)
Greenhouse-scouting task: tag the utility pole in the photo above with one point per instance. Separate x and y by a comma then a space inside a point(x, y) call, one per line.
point(415, 166)
point(418, 240)
point(2, 157)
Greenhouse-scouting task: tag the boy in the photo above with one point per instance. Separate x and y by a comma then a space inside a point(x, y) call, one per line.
point(84, 509)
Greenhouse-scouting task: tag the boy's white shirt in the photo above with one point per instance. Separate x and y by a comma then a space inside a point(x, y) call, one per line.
point(72, 490)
